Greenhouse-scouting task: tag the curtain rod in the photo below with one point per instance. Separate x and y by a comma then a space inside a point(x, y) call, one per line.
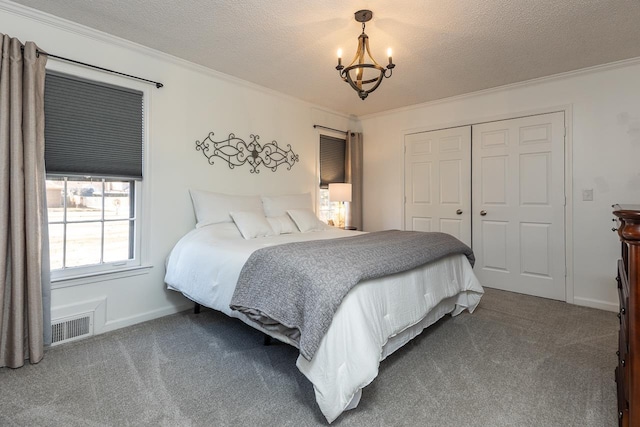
point(50, 55)
point(335, 130)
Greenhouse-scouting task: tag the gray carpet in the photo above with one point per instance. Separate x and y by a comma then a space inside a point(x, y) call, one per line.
point(517, 361)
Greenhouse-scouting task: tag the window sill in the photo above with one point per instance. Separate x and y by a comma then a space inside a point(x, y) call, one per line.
point(102, 276)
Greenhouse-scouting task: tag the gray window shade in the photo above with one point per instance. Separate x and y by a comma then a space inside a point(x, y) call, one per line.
point(92, 129)
point(332, 157)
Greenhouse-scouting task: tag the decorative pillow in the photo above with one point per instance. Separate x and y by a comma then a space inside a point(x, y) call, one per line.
point(252, 224)
point(279, 205)
point(214, 208)
point(306, 220)
point(282, 224)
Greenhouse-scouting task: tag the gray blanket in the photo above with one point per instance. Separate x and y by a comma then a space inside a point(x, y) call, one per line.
point(300, 285)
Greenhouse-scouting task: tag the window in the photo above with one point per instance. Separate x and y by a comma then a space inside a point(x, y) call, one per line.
point(93, 160)
point(91, 221)
point(332, 161)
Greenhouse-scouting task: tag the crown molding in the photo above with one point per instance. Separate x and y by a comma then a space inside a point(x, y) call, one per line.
point(88, 32)
point(532, 82)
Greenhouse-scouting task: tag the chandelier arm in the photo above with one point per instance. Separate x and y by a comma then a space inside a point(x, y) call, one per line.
point(359, 51)
point(354, 85)
point(376, 66)
point(369, 53)
point(375, 86)
point(345, 72)
point(364, 82)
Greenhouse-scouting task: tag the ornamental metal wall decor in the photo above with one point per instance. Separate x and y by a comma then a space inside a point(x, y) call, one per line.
point(237, 152)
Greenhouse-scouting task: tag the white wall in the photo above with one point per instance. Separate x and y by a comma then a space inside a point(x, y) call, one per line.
point(193, 102)
point(604, 131)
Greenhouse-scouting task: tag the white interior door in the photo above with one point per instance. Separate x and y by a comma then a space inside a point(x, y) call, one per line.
point(438, 182)
point(518, 205)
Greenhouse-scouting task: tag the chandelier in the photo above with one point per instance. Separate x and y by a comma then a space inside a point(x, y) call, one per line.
point(364, 77)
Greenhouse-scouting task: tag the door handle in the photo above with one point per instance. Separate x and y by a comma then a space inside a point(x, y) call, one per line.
point(459, 212)
point(483, 213)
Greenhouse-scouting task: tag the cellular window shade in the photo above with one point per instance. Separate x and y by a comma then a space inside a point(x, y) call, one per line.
point(332, 160)
point(92, 129)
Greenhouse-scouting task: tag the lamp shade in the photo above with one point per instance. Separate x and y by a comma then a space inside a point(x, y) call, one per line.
point(339, 192)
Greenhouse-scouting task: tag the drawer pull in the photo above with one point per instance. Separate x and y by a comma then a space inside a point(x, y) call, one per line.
point(614, 229)
point(620, 415)
point(623, 363)
point(618, 353)
point(619, 316)
point(622, 310)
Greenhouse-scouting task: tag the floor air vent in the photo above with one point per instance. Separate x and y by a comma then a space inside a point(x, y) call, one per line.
point(71, 328)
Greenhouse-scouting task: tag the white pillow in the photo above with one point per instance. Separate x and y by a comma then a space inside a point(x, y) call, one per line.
point(252, 224)
point(213, 208)
point(306, 220)
point(282, 224)
point(279, 205)
point(223, 230)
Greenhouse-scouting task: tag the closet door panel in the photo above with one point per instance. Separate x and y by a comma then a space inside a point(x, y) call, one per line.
point(518, 204)
point(438, 182)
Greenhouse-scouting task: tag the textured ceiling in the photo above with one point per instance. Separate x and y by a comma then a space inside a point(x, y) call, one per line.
point(442, 48)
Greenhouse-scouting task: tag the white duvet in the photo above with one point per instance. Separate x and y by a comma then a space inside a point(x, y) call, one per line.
point(375, 318)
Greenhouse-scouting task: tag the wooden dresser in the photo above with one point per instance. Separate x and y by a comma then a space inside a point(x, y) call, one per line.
point(628, 370)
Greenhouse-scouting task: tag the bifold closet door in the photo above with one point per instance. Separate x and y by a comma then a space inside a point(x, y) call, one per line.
point(438, 182)
point(518, 205)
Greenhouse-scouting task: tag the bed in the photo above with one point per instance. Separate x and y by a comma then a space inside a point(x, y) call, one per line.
point(376, 317)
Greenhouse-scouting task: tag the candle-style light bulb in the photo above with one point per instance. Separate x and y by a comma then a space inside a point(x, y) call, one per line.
point(339, 57)
point(389, 55)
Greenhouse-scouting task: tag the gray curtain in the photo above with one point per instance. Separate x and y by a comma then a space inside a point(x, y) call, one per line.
point(24, 263)
point(353, 175)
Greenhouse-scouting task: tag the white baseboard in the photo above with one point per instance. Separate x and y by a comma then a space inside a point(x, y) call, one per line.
point(143, 317)
point(602, 305)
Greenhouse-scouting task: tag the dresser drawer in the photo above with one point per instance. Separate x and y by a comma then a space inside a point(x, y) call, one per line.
point(623, 405)
point(622, 371)
point(623, 295)
point(623, 313)
point(623, 282)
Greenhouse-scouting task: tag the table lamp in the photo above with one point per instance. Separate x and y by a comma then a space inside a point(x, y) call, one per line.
point(340, 192)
